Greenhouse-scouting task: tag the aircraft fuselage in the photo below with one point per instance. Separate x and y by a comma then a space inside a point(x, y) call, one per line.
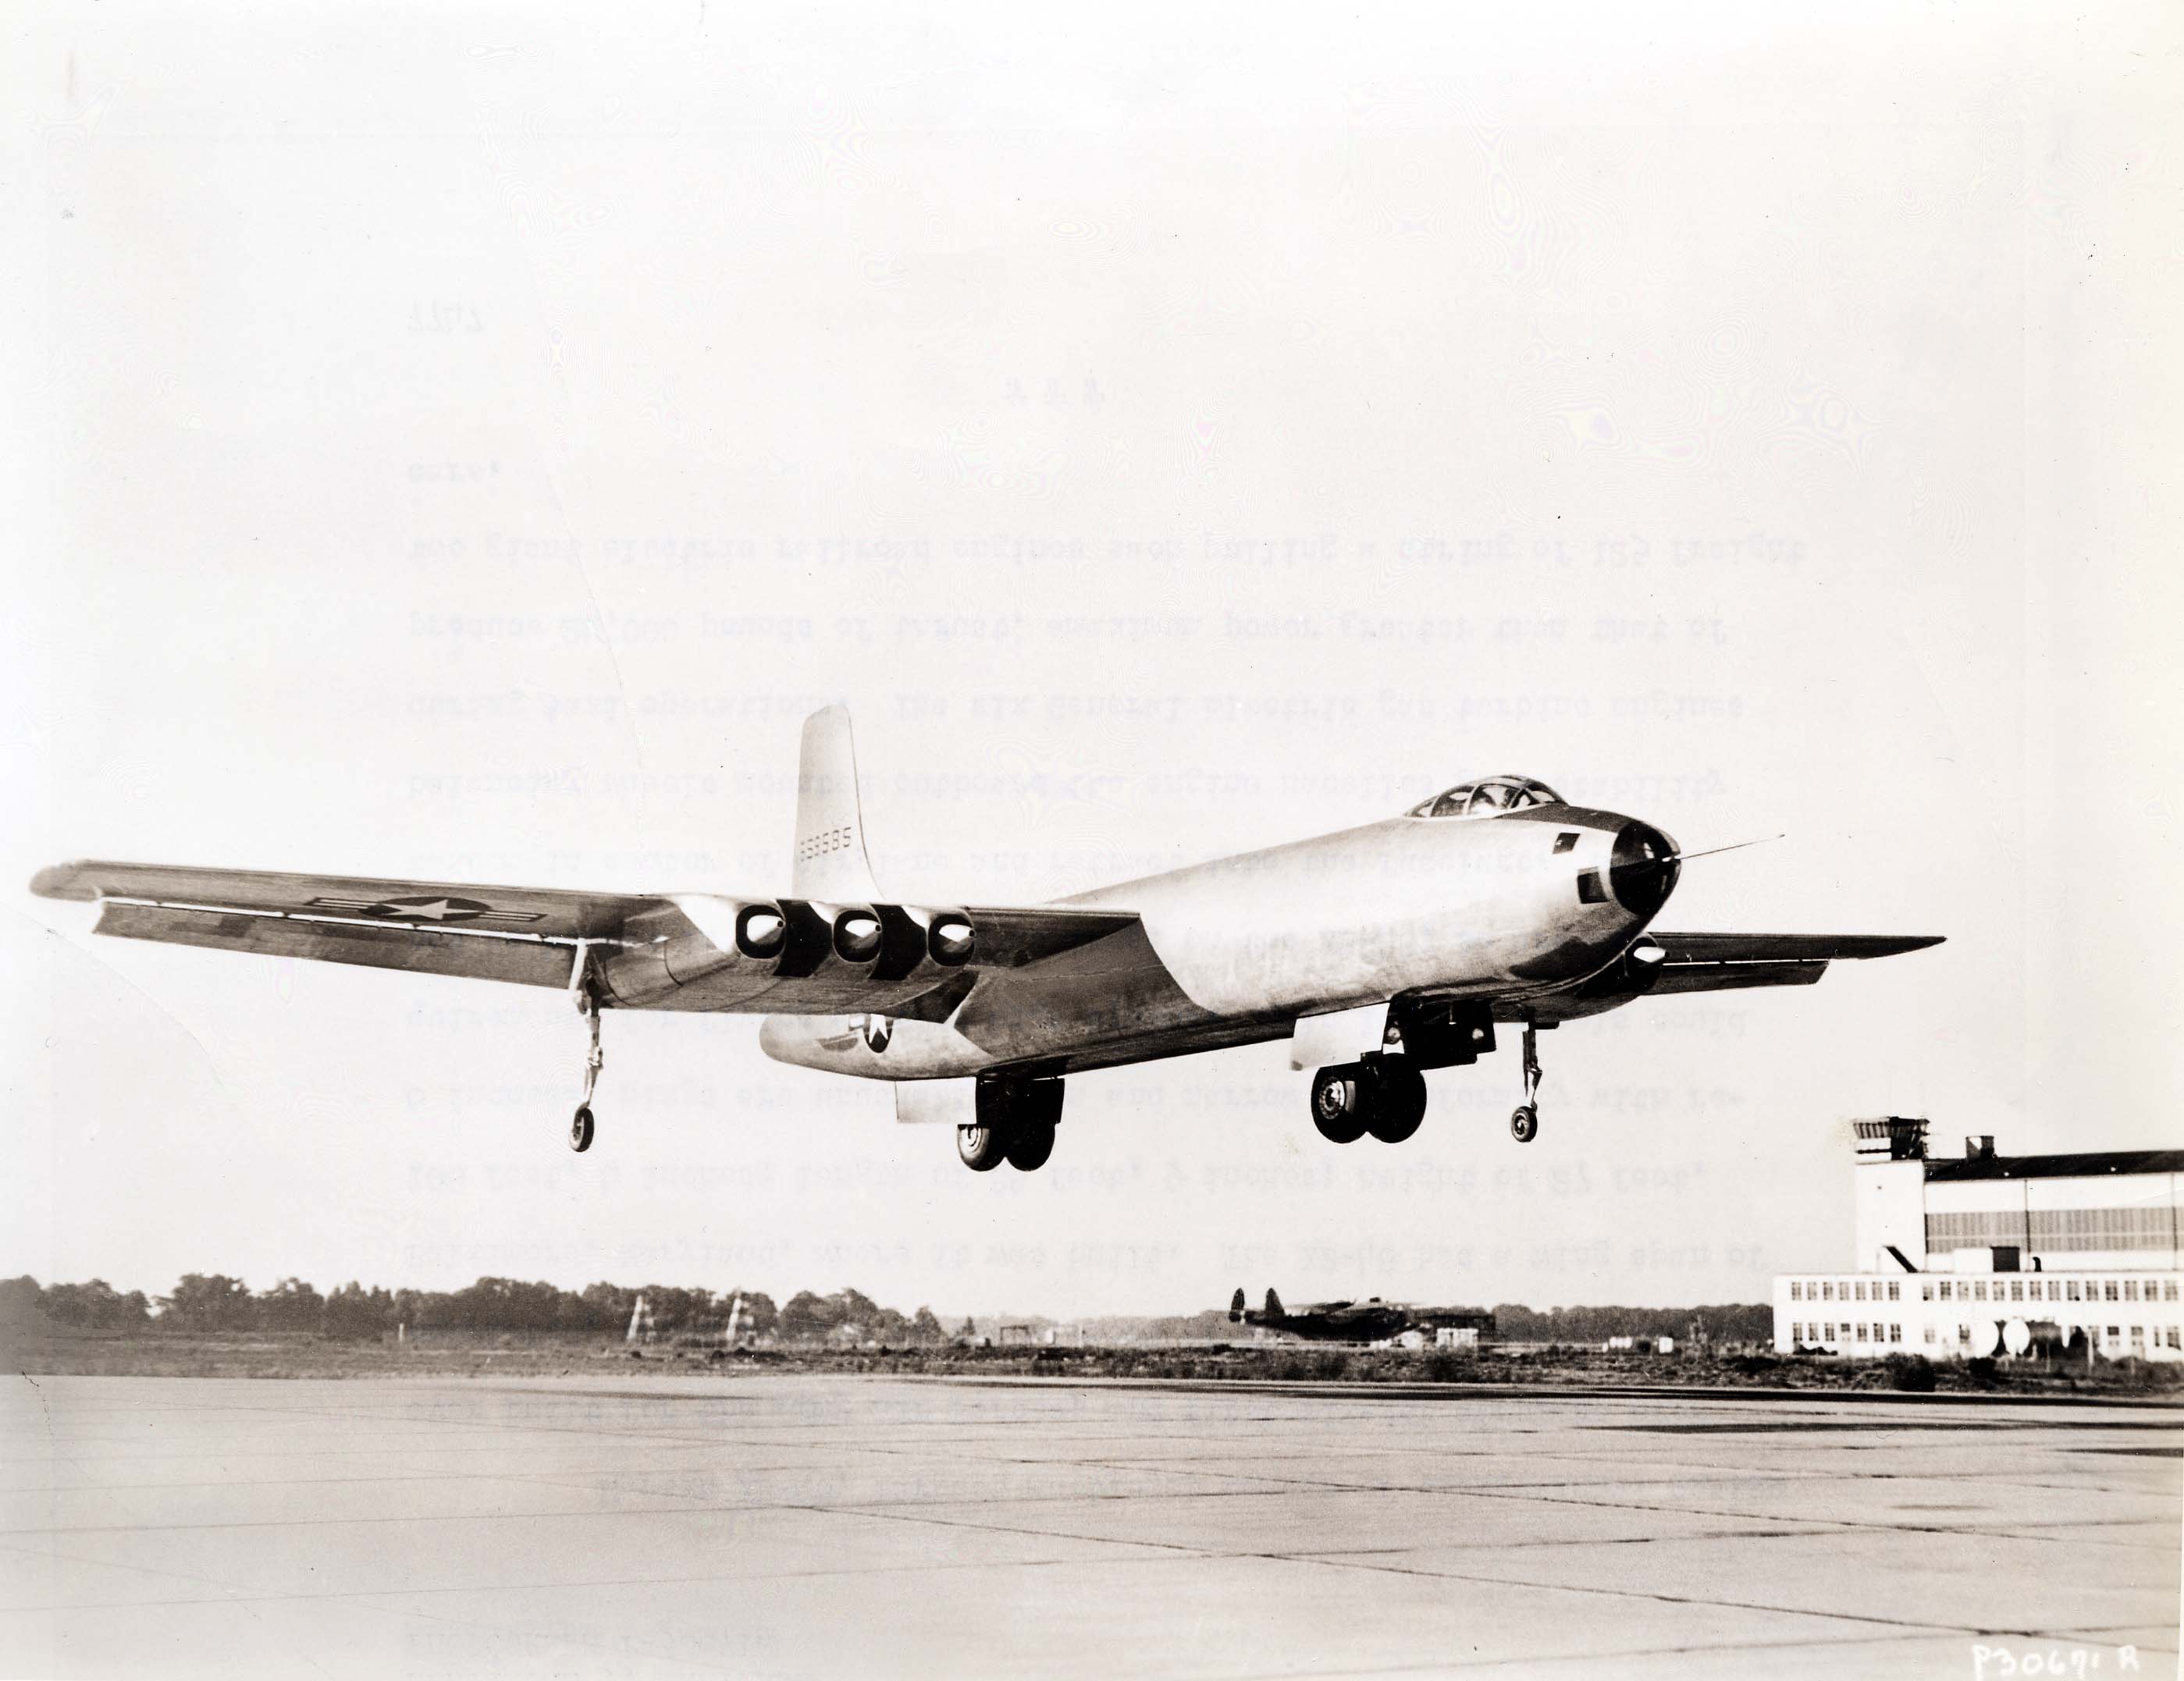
point(1236, 950)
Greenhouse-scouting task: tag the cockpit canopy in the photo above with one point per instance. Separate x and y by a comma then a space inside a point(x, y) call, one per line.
point(1486, 796)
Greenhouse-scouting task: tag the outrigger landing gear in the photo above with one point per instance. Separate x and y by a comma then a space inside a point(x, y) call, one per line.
point(585, 992)
point(1524, 1121)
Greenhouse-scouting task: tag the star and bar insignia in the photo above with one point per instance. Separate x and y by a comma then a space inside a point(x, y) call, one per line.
point(437, 908)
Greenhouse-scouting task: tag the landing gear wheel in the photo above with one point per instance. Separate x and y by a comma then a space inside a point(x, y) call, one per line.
point(1524, 1123)
point(1399, 1103)
point(585, 994)
point(1028, 1149)
point(1341, 1101)
point(980, 1148)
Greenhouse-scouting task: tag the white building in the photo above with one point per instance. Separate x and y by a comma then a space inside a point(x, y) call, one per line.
point(1995, 1255)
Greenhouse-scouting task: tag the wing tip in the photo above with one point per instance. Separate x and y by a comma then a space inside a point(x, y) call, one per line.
point(64, 880)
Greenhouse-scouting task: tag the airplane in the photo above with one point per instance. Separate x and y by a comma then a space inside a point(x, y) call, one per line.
point(1357, 1321)
point(1379, 952)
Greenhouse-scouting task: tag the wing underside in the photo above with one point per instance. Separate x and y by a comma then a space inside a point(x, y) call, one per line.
point(1663, 964)
point(671, 951)
point(1722, 962)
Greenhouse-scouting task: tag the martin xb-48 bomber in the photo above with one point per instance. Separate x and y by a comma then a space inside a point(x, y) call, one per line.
point(1379, 953)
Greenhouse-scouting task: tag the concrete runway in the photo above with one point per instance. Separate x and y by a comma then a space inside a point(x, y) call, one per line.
point(828, 1526)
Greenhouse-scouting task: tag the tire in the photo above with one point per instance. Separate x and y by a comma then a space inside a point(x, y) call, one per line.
point(980, 1148)
point(580, 1128)
point(1400, 1104)
point(1341, 1099)
point(1524, 1124)
point(1028, 1149)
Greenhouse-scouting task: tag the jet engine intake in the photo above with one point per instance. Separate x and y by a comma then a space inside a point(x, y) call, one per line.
point(761, 931)
point(858, 933)
point(949, 939)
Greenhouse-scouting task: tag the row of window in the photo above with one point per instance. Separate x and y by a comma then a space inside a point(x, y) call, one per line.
point(2139, 1335)
point(1850, 1334)
point(1824, 1290)
point(2010, 1288)
point(2053, 1231)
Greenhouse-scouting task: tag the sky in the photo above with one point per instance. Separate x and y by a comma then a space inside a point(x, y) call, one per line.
point(462, 442)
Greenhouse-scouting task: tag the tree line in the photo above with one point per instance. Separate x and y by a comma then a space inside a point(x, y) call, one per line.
point(1724, 1322)
point(213, 1302)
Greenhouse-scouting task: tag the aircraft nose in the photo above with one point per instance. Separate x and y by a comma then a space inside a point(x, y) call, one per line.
point(1643, 869)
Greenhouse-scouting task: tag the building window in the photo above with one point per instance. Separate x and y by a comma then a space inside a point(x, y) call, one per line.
point(1860, 1289)
point(2017, 1290)
point(2169, 1289)
point(2116, 1333)
point(1979, 1291)
point(1895, 1290)
point(2072, 1287)
point(1946, 1291)
point(1861, 1337)
point(1964, 1333)
point(2173, 1337)
point(1830, 1336)
point(2131, 1289)
point(2108, 1289)
point(1828, 1291)
point(1930, 1333)
point(1926, 1292)
point(1895, 1333)
point(1796, 1291)
point(2054, 1231)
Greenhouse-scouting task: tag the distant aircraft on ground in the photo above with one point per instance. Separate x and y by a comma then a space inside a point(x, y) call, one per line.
point(1373, 1320)
point(1379, 952)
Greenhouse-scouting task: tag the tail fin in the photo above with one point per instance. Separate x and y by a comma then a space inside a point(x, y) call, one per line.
point(1236, 1306)
point(830, 861)
point(1273, 1305)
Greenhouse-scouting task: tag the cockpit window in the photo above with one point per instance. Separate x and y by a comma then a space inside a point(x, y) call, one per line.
point(1487, 796)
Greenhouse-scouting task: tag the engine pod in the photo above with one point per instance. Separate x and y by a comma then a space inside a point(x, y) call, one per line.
point(858, 934)
point(762, 931)
point(950, 938)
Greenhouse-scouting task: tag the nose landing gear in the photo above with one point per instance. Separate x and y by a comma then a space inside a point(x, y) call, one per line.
point(1525, 1120)
point(585, 993)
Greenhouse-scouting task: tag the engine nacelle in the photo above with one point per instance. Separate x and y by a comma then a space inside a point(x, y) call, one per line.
point(950, 937)
point(724, 949)
point(854, 932)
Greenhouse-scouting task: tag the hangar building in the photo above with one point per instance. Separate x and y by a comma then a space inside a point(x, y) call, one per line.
point(1991, 1254)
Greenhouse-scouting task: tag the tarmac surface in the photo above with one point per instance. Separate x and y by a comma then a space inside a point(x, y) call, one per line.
point(831, 1526)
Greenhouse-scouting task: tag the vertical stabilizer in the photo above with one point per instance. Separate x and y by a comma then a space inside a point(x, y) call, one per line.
point(830, 861)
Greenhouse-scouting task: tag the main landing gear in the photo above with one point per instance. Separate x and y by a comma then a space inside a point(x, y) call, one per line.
point(1016, 1124)
point(1383, 1095)
point(1524, 1119)
point(585, 991)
